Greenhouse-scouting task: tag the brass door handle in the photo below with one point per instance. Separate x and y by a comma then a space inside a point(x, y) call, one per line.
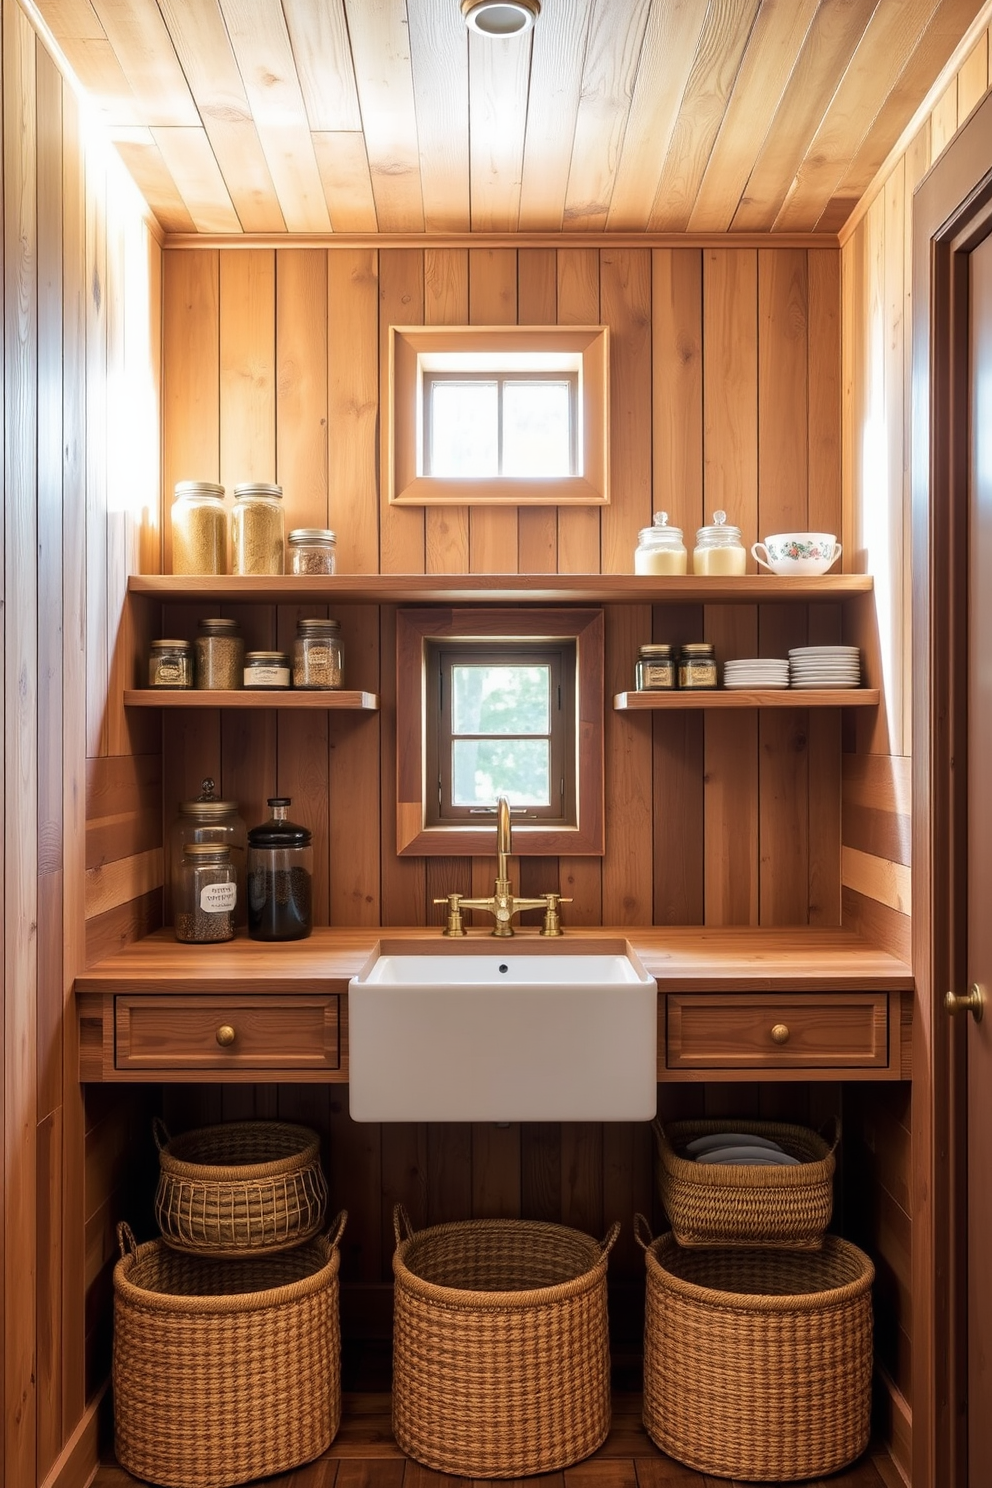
point(973, 1003)
point(225, 1035)
point(780, 1033)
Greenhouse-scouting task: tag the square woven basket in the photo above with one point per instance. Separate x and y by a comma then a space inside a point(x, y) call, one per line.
point(714, 1204)
point(225, 1370)
point(757, 1364)
point(501, 1360)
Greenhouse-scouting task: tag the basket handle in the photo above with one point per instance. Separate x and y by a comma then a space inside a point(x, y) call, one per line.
point(401, 1223)
point(336, 1227)
point(125, 1239)
point(659, 1131)
point(642, 1228)
point(825, 1126)
point(161, 1133)
point(610, 1239)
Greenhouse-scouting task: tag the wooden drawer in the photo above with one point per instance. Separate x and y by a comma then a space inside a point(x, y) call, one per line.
point(184, 1033)
point(777, 1031)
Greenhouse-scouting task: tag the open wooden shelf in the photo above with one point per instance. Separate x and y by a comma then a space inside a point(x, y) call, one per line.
point(747, 697)
point(191, 697)
point(496, 588)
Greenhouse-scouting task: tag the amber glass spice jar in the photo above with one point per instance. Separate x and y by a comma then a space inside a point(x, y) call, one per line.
point(219, 655)
point(199, 529)
point(258, 529)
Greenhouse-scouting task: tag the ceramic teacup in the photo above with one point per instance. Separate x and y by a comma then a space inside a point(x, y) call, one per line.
point(797, 552)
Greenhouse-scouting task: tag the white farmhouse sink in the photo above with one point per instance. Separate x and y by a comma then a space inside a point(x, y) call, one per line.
point(523, 1032)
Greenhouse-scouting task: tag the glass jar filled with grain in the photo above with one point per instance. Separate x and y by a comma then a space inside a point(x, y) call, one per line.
point(310, 550)
point(207, 894)
point(318, 654)
point(199, 529)
point(219, 655)
point(258, 529)
point(170, 663)
point(219, 823)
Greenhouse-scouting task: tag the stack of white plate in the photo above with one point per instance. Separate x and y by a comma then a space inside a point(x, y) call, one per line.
point(825, 666)
point(756, 671)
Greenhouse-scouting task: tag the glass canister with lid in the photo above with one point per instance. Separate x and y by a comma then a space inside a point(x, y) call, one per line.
point(219, 655)
point(206, 894)
point(170, 663)
point(199, 529)
point(219, 823)
point(310, 550)
point(258, 529)
point(280, 877)
point(318, 655)
point(660, 549)
point(719, 549)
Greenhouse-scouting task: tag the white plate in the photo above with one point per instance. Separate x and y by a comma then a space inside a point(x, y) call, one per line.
point(758, 684)
point(825, 651)
point(752, 1157)
point(825, 686)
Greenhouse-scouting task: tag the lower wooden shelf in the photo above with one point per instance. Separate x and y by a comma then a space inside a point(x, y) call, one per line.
point(747, 697)
point(194, 697)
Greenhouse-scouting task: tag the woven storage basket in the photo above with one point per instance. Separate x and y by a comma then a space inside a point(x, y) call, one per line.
point(501, 1361)
point(225, 1371)
point(711, 1204)
point(240, 1188)
point(757, 1364)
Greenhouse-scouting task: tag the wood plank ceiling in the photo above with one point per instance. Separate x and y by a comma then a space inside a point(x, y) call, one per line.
point(388, 116)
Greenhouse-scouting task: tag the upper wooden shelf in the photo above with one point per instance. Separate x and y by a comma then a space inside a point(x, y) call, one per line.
point(749, 697)
point(497, 588)
point(276, 697)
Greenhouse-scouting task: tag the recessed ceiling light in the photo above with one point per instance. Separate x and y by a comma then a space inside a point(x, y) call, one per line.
point(500, 17)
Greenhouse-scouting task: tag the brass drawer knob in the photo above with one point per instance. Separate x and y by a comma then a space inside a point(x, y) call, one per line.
point(973, 1002)
point(225, 1035)
point(780, 1033)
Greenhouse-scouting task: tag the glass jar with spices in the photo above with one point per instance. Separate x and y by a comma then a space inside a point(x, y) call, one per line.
point(219, 655)
point(310, 550)
point(660, 549)
point(266, 670)
point(206, 894)
point(199, 529)
point(318, 654)
point(170, 664)
point(697, 666)
point(280, 877)
point(655, 671)
point(219, 823)
point(719, 549)
point(258, 529)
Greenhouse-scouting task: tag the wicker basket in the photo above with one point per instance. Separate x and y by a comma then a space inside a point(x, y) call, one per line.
point(238, 1189)
point(757, 1364)
point(711, 1204)
point(501, 1362)
point(225, 1371)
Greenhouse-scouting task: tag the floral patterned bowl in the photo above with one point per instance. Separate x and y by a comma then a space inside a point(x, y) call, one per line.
point(799, 553)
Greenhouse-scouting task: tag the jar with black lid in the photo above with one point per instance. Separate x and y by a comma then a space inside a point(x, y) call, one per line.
point(280, 877)
point(170, 664)
point(219, 655)
point(206, 894)
point(318, 655)
point(697, 666)
point(655, 670)
point(267, 670)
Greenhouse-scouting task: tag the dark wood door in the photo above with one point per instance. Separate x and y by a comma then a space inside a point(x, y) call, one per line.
point(979, 955)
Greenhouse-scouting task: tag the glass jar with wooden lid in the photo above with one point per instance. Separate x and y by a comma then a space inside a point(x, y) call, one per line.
point(199, 529)
point(258, 529)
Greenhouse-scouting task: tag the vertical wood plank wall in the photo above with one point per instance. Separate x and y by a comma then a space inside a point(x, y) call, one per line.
point(876, 271)
point(81, 319)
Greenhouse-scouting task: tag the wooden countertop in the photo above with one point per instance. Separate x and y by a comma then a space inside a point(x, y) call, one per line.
point(684, 957)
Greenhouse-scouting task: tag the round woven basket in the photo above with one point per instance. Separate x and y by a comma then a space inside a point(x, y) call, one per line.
point(757, 1364)
point(225, 1371)
point(240, 1188)
point(712, 1204)
point(501, 1362)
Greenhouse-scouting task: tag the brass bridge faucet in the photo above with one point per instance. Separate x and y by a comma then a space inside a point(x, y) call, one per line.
point(503, 905)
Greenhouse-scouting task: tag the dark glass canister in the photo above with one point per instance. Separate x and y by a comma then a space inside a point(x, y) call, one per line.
point(656, 668)
point(208, 820)
point(280, 877)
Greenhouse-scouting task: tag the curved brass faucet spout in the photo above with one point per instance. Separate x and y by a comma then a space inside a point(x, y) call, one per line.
point(503, 838)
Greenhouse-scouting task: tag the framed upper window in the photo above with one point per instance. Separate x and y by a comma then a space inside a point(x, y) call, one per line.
point(492, 702)
point(498, 414)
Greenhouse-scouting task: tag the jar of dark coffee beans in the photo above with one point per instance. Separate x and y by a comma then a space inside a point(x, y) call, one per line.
point(280, 877)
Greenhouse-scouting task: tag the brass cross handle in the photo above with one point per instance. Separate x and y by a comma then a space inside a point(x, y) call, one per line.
point(973, 1003)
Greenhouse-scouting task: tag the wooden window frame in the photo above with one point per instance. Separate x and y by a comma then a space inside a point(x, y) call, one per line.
point(414, 629)
point(416, 349)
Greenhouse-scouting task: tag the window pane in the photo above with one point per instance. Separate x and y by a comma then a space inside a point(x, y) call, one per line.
point(536, 428)
point(464, 428)
point(500, 699)
point(482, 769)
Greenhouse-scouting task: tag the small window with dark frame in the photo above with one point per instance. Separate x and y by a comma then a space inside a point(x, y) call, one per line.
point(500, 715)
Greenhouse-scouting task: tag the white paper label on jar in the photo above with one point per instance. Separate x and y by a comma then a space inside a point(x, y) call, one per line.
point(218, 898)
point(266, 676)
